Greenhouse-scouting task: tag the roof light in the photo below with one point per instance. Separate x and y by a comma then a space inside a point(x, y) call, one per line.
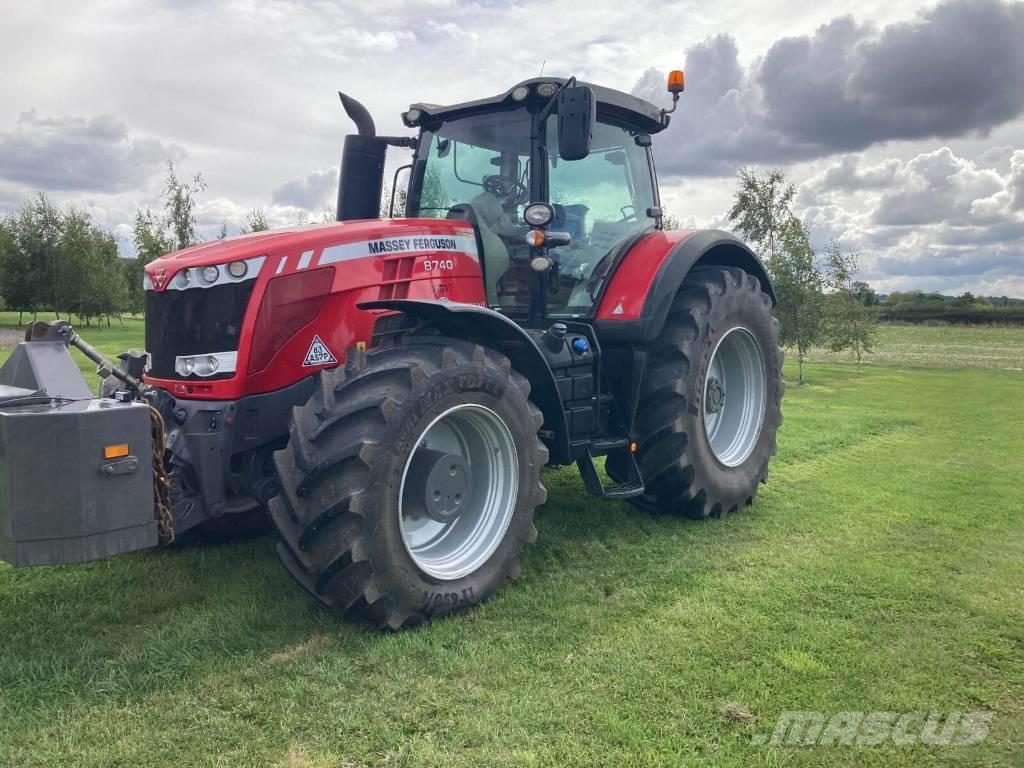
point(676, 81)
point(210, 274)
point(520, 93)
point(237, 269)
point(547, 89)
point(412, 116)
point(183, 278)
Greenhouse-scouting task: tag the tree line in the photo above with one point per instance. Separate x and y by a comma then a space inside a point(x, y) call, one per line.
point(920, 307)
point(58, 260)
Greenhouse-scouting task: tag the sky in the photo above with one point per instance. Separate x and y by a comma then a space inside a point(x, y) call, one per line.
point(901, 123)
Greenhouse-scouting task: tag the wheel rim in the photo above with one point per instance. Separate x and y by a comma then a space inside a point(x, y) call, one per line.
point(458, 491)
point(734, 397)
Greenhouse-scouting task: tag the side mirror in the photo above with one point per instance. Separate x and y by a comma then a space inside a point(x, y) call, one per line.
point(577, 112)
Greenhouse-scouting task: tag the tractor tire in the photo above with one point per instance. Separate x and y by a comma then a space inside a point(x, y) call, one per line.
point(710, 400)
point(409, 482)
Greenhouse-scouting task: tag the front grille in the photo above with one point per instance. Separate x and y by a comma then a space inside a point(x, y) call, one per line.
point(192, 322)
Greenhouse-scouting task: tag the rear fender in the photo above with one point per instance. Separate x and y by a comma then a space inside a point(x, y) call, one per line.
point(639, 294)
point(473, 322)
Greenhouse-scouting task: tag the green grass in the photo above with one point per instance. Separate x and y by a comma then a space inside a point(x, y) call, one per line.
point(882, 568)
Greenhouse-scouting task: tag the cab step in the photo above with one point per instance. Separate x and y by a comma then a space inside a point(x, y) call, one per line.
point(632, 487)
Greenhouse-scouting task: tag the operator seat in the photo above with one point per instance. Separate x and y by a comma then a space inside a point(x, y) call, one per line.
point(483, 211)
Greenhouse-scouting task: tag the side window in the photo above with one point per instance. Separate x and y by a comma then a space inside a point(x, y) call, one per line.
point(475, 168)
point(600, 201)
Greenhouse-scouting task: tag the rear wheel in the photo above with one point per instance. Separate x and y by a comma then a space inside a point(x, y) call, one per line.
point(409, 482)
point(710, 399)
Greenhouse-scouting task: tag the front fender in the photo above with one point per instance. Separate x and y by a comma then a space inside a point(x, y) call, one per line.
point(476, 323)
point(639, 294)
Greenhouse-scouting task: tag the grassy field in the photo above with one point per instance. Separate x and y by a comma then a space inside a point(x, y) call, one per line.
point(998, 348)
point(882, 568)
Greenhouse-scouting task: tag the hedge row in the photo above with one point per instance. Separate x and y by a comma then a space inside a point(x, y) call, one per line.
point(1013, 315)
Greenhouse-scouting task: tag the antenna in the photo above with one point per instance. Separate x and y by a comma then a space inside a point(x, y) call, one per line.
point(542, 64)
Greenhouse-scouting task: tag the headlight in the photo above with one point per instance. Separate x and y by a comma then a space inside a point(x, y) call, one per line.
point(520, 93)
point(210, 274)
point(237, 269)
point(547, 89)
point(538, 214)
point(206, 365)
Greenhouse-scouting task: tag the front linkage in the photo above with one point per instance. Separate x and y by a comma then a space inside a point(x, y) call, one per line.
point(78, 472)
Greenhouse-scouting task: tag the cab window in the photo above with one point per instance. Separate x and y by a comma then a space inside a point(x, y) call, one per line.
point(600, 201)
point(475, 168)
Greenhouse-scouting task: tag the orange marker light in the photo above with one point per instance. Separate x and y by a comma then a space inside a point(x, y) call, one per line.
point(632, 447)
point(115, 451)
point(676, 81)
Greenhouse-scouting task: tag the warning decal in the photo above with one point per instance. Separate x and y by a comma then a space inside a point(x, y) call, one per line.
point(318, 354)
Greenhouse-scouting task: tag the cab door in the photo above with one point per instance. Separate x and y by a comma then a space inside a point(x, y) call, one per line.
point(602, 201)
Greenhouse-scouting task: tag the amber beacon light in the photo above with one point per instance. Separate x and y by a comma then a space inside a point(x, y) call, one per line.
point(676, 81)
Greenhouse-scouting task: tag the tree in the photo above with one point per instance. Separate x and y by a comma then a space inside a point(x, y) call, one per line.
point(179, 208)
point(798, 288)
point(255, 221)
point(850, 324)
point(91, 270)
point(865, 294)
point(670, 221)
point(151, 241)
point(34, 281)
point(18, 282)
point(760, 209)
point(154, 235)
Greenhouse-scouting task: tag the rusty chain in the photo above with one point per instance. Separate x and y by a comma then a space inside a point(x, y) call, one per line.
point(161, 483)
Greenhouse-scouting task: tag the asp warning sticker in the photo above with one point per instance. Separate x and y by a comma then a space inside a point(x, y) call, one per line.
point(318, 354)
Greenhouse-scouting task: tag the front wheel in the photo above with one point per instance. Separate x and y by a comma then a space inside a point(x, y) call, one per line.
point(409, 482)
point(710, 402)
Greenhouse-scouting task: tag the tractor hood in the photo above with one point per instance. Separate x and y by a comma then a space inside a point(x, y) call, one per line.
point(258, 313)
point(181, 269)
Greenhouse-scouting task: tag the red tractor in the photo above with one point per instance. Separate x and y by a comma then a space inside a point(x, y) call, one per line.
point(391, 389)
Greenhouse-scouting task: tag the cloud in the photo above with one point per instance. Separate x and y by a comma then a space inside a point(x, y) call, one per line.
point(956, 69)
point(452, 30)
point(313, 193)
point(939, 222)
point(95, 154)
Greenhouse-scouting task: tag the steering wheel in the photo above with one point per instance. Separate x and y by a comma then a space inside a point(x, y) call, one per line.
point(503, 188)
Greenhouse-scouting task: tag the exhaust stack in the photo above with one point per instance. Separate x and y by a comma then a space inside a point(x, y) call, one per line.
point(362, 166)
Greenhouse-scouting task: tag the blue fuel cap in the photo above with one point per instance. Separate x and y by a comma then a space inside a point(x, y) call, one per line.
point(580, 346)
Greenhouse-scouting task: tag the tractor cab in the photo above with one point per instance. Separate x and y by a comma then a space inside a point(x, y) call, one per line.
point(554, 176)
